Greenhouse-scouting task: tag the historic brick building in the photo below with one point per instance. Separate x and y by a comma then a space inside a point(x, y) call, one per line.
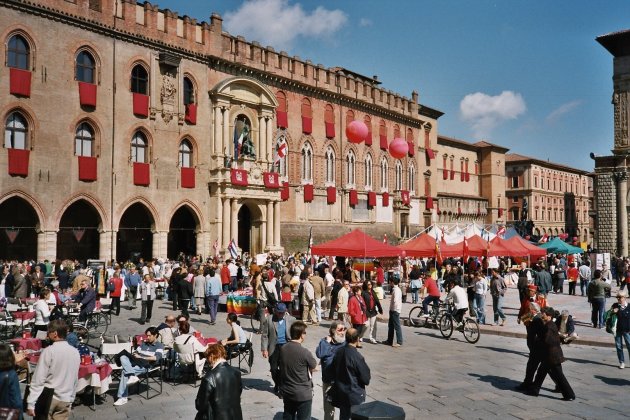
point(557, 198)
point(121, 122)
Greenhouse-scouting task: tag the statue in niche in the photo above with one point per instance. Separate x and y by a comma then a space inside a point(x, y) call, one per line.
point(167, 97)
point(525, 210)
point(243, 144)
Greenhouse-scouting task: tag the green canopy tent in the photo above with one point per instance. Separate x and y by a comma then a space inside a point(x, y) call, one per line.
point(558, 246)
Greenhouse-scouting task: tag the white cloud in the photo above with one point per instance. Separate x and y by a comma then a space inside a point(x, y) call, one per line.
point(563, 109)
point(278, 24)
point(485, 112)
point(363, 22)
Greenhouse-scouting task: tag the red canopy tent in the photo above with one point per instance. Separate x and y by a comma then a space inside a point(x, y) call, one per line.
point(533, 250)
point(420, 247)
point(477, 247)
point(356, 244)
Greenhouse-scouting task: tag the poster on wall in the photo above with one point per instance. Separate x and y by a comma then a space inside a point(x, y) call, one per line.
point(597, 260)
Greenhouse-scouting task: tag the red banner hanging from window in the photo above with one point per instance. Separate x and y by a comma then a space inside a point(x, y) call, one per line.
point(412, 148)
point(271, 180)
point(87, 94)
point(87, 168)
point(385, 199)
point(383, 142)
point(368, 139)
point(284, 192)
point(191, 114)
point(331, 195)
point(141, 174)
point(330, 130)
point(18, 162)
point(430, 153)
point(239, 177)
point(429, 203)
point(405, 198)
point(500, 212)
point(188, 177)
point(140, 105)
point(354, 197)
point(282, 120)
point(372, 199)
point(308, 193)
point(20, 82)
point(307, 125)
point(467, 177)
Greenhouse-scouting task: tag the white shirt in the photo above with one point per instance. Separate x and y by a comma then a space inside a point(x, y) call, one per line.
point(42, 312)
point(330, 280)
point(459, 296)
point(233, 269)
point(395, 303)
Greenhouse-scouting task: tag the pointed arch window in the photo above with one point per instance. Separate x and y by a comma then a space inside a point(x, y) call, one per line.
point(15, 131)
point(139, 148)
point(399, 176)
point(185, 154)
point(368, 171)
point(18, 53)
point(307, 116)
point(330, 165)
point(282, 120)
point(139, 80)
point(329, 121)
point(384, 173)
point(85, 67)
point(350, 167)
point(84, 140)
point(282, 152)
point(411, 179)
point(307, 162)
point(368, 123)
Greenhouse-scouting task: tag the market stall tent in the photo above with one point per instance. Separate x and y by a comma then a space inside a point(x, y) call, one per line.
point(356, 244)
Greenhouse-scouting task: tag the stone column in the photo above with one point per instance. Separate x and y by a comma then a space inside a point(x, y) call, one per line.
point(218, 138)
point(276, 224)
point(269, 139)
point(260, 142)
point(155, 248)
point(46, 245)
point(114, 243)
point(226, 132)
point(270, 222)
point(104, 245)
point(234, 224)
point(622, 202)
point(226, 223)
point(202, 243)
point(219, 224)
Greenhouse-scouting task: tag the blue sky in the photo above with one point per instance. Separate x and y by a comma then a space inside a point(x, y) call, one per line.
point(527, 75)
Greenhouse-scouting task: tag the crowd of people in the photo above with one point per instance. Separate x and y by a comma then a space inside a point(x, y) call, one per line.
point(302, 292)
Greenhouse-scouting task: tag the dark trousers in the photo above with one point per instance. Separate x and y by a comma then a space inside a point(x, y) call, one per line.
point(333, 308)
point(183, 305)
point(555, 372)
point(173, 296)
point(297, 410)
point(274, 359)
point(572, 288)
point(146, 311)
point(115, 306)
point(394, 326)
point(597, 312)
point(345, 412)
point(213, 303)
point(533, 362)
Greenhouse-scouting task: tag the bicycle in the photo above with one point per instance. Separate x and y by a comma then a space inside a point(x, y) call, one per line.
point(418, 318)
point(469, 327)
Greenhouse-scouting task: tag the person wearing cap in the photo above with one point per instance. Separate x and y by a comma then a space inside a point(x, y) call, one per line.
point(275, 333)
point(622, 332)
point(532, 296)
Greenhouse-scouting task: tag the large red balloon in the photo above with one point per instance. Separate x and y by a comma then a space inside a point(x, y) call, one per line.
point(398, 148)
point(356, 131)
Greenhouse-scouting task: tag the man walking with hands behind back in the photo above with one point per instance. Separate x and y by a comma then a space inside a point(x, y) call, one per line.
point(275, 333)
point(395, 308)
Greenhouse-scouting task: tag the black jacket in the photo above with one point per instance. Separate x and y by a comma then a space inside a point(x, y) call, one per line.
point(185, 289)
point(570, 324)
point(623, 319)
point(352, 375)
point(219, 397)
point(372, 308)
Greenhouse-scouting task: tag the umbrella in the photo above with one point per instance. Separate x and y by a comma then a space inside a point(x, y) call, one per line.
point(356, 244)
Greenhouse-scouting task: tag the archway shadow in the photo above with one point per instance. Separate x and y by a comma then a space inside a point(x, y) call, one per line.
point(613, 381)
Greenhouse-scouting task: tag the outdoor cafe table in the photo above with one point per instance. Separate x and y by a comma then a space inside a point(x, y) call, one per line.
point(27, 343)
point(140, 338)
point(23, 316)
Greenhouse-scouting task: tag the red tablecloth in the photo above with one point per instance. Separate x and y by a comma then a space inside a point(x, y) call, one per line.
point(208, 340)
point(27, 343)
point(102, 368)
point(23, 315)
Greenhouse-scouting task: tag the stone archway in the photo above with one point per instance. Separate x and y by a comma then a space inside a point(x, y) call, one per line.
point(135, 234)
point(19, 224)
point(250, 229)
point(78, 235)
point(182, 233)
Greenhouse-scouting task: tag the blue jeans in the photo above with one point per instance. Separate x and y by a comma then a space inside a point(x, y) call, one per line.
point(480, 302)
point(394, 325)
point(297, 410)
point(583, 286)
point(213, 303)
point(427, 300)
point(619, 345)
point(233, 284)
point(127, 370)
point(597, 312)
point(414, 295)
point(497, 308)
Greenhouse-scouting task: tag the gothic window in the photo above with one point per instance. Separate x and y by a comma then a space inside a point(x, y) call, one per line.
point(411, 179)
point(350, 167)
point(368, 171)
point(307, 162)
point(15, 131)
point(330, 165)
point(384, 172)
point(86, 67)
point(399, 180)
point(189, 91)
point(18, 53)
point(84, 140)
point(185, 154)
point(139, 80)
point(139, 148)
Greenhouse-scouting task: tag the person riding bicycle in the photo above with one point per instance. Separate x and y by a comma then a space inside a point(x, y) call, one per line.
point(433, 297)
point(86, 298)
point(460, 301)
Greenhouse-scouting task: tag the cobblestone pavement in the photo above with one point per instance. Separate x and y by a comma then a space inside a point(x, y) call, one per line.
point(428, 376)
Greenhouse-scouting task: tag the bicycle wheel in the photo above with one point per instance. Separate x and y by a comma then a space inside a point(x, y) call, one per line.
point(101, 324)
point(446, 325)
point(415, 316)
point(471, 330)
point(255, 318)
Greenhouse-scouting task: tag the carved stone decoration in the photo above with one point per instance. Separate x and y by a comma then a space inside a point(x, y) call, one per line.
point(256, 172)
point(620, 101)
point(168, 96)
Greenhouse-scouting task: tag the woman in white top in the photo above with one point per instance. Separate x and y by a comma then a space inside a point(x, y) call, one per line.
point(42, 311)
point(237, 337)
point(187, 347)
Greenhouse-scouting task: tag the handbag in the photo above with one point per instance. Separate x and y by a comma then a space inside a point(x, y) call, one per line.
point(111, 286)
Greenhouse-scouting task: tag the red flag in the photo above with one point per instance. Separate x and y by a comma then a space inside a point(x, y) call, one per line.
point(465, 249)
